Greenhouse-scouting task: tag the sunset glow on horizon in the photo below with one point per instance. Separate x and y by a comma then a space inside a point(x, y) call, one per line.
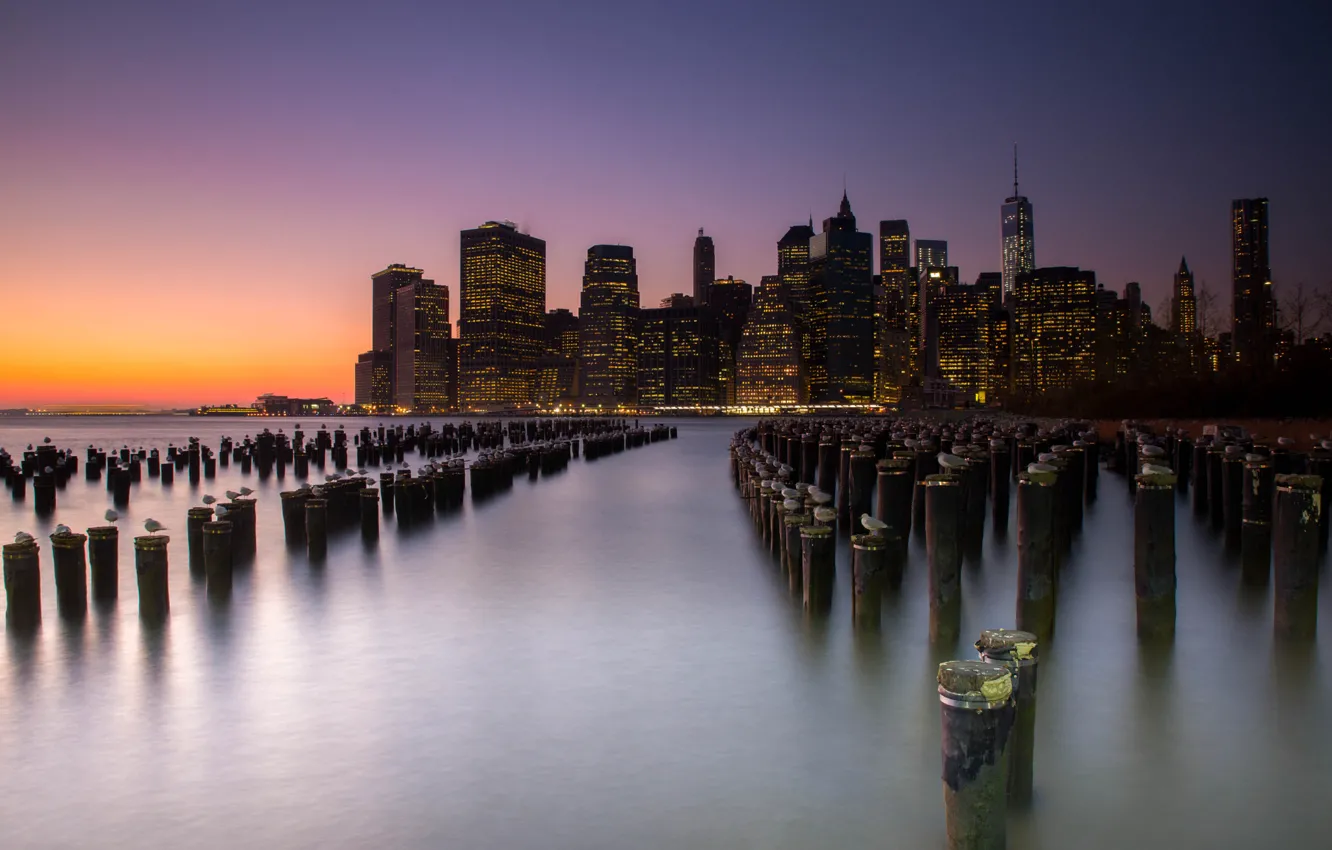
point(196, 198)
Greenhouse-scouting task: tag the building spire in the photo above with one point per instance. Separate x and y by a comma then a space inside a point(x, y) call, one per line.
point(1183, 266)
point(1015, 180)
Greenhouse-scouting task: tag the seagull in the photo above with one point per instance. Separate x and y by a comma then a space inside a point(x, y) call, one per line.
point(332, 478)
point(232, 495)
point(222, 510)
point(1153, 451)
point(790, 493)
point(1040, 467)
point(152, 526)
point(245, 491)
point(872, 525)
point(1046, 457)
point(950, 462)
point(360, 472)
point(1156, 469)
point(824, 515)
point(208, 500)
point(62, 529)
point(46, 440)
point(48, 470)
point(793, 505)
point(821, 498)
point(1254, 458)
point(111, 516)
point(24, 537)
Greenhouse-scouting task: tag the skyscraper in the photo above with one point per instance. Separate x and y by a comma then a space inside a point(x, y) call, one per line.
point(931, 253)
point(1019, 246)
point(421, 355)
point(1183, 303)
point(841, 365)
point(897, 308)
point(1254, 306)
point(1054, 330)
point(502, 315)
point(793, 261)
point(374, 380)
point(608, 326)
point(384, 286)
point(769, 368)
point(962, 314)
point(678, 349)
point(557, 378)
point(729, 301)
point(705, 266)
point(895, 253)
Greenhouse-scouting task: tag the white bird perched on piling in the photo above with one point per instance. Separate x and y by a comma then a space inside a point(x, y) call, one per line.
point(1156, 469)
point(62, 529)
point(820, 497)
point(790, 493)
point(332, 478)
point(111, 516)
point(152, 526)
point(872, 525)
point(1150, 450)
point(222, 510)
point(24, 537)
point(793, 505)
point(245, 491)
point(232, 495)
point(360, 472)
point(208, 500)
point(1040, 468)
point(1254, 458)
point(824, 515)
point(950, 463)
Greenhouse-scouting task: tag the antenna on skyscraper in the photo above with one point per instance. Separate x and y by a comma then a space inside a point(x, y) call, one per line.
point(1015, 188)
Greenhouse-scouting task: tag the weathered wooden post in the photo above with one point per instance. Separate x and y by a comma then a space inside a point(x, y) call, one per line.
point(293, 515)
point(104, 561)
point(1232, 487)
point(1018, 651)
point(863, 479)
point(869, 554)
point(195, 518)
point(218, 560)
point(976, 712)
point(369, 513)
point(1298, 513)
point(1256, 529)
point(71, 573)
point(817, 562)
point(23, 584)
point(1036, 553)
point(895, 491)
point(1001, 473)
point(943, 546)
point(316, 528)
point(1154, 554)
point(150, 566)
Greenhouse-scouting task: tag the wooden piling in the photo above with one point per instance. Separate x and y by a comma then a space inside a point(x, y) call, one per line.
point(71, 573)
point(977, 713)
point(150, 568)
point(1018, 651)
point(943, 533)
point(23, 584)
point(1036, 553)
point(218, 558)
point(104, 561)
point(1295, 550)
point(1154, 554)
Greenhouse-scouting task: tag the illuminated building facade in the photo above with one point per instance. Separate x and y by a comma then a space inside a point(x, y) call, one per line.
point(678, 349)
point(730, 300)
point(1000, 372)
point(1254, 307)
point(1183, 303)
point(501, 316)
point(1054, 329)
point(421, 354)
point(384, 286)
point(962, 314)
point(1019, 245)
point(931, 253)
point(608, 327)
point(769, 368)
point(705, 266)
point(897, 309)
point(793, 271)
point(374, 380)
point(841, 312)
point(931, 282)
point(557, 377)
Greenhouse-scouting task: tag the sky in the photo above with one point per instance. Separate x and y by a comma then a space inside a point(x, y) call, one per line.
point(194, 195)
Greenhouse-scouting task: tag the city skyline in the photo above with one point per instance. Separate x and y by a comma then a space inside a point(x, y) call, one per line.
point(167, 151)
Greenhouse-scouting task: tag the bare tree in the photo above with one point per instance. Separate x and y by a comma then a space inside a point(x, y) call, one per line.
point(1322, 309)
point(1165, 313)
point(1297, 312)
point(1207, 311)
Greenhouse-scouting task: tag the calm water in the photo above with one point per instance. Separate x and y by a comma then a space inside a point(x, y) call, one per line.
point(609, 659)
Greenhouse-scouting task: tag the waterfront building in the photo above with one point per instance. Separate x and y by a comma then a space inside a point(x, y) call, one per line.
point(608, 327)
point(374, 380)
point(384, 286)
point(501, 316)
point(678, 349)
point(1253, 305)
point(769, 368)
point(1054, 329)
point(841, 312)
point(422, 352)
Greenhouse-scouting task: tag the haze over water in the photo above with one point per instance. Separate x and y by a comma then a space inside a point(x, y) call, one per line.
point(609, 658)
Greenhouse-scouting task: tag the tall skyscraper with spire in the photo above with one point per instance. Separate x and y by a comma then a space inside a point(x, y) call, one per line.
point(1183, 304)
point(1019, 250)
point(705, 267)
point(841, 295)
point(1254, 306)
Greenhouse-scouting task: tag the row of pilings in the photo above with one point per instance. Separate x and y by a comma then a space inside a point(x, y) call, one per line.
point(222, 535)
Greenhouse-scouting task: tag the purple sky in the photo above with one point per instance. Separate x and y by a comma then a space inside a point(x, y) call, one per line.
point(282, 152)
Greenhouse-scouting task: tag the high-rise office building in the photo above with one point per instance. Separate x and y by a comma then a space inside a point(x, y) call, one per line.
point(501, 317)
point(1054, 330)
point(962, 315)
point(931, 283)
point(374, 380)
point(421, 354)
point(608, 327)
point(931, 253)
point(1019, 240)
point(769, 368)
point(793, 261)
point(557, 376)
point(841, 313)
point(1183, 303)
point(1254, 306)
point(729, 301)
point(895, 254)
point(896, 324)
point(678, 349)
point(705, 266)
point(384, 286)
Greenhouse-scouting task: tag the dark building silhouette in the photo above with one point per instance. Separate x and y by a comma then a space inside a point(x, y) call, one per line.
point(705, 266)
point(1019, 240)
point(501, 317)
point(557, 376)
point(1054, 330)
point(677, 299)
point(1254, 307)
point(841, 365)
point(793, 262)
point(384, 286)
point(422, 359)
point(678, 349)
point(608, 327)
point(729, 301)
point(931, 253)
point(374, 380)
point(769, 367)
